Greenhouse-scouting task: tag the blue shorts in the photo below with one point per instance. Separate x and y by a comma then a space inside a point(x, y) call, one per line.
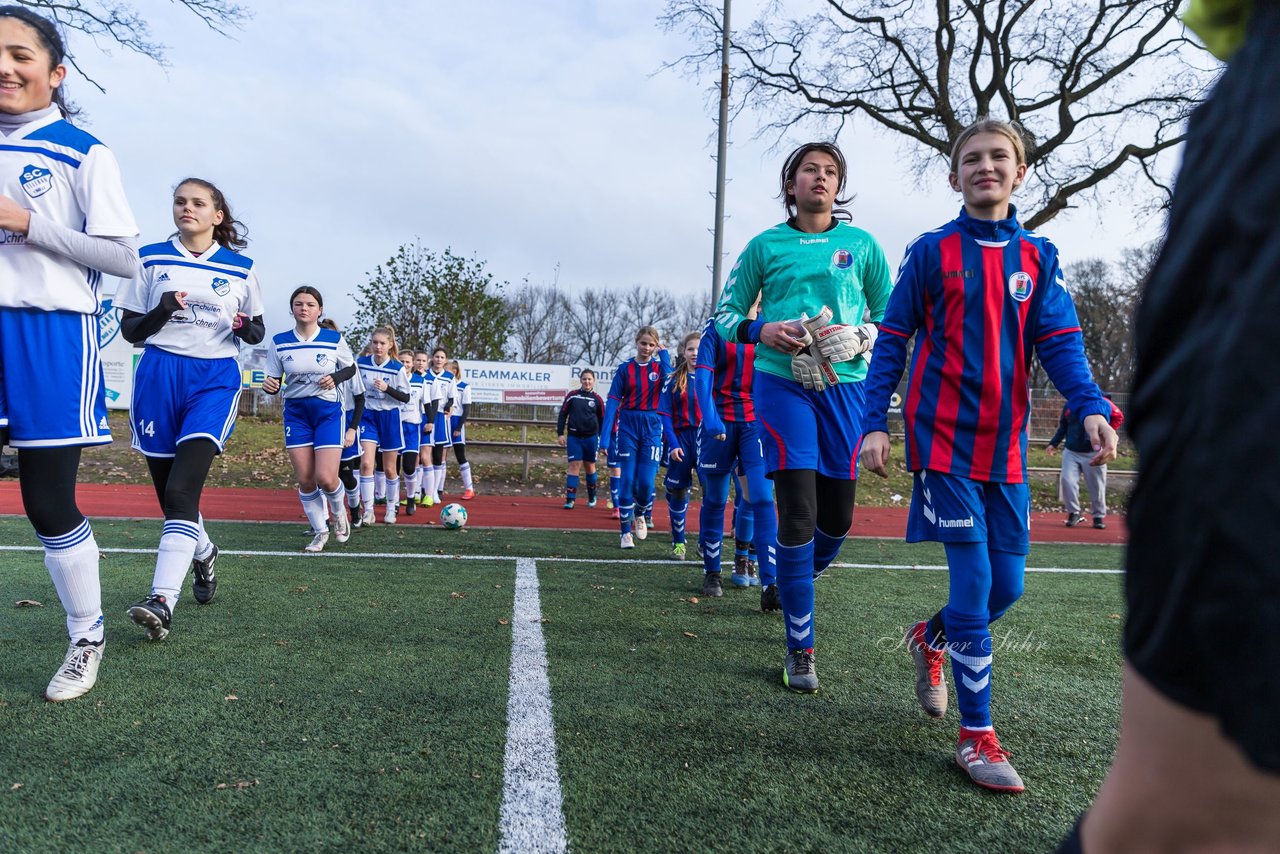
point(313, 422)
point(680, 472)
point(950, 509)
point(412, 436)
point(440, 433)
point(382, 428)
point(740, 451)
point(818, 430)
point(353, 452)
point(51, 402)
point(639, 436)
point(584, 448)
point(176, 398)
point(457, 430)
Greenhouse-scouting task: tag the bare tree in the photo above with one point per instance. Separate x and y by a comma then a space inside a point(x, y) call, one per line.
point(1100, 87)
point(646, 306)
point(598, 334)
point(690, 315)
point(540, 330)
point(108, 22)
point(1105, 304)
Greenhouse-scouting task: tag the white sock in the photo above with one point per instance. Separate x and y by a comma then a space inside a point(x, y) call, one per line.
point(203, 544)
point(366, 492)
point(411, 484)
point(335, 501)
point(439, 479)
point(393, 493)
point(313, 505)
point(465, 471)
point(173, 560)
point(353, 496)
point(72, 561)
point(380, 479)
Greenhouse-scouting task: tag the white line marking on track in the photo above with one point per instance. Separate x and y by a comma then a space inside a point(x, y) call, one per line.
point(504, 558)
point(532, 814)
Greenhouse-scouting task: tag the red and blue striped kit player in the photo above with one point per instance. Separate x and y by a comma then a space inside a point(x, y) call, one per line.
point(681, 416)
point(633, 404)
point(980, 295)
point(729, 442)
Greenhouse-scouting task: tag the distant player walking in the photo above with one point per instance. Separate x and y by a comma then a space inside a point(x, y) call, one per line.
point(386, 387)
point(312, 362)
point(64, 221)
point(681, 416)
point(578, 429)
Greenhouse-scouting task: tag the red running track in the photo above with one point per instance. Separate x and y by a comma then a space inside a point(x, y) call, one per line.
point(493, 511)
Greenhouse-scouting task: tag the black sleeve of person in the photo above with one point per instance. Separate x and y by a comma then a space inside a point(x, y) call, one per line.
point(357, 412)
point(744, 331)
point(252, 331)
point(466, 410)
point(397, 394)
point(137, 328)
point(343, 375)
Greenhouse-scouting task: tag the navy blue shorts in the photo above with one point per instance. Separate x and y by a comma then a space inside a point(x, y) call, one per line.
point(177, 398)
point(680, 472)
point(51, 402)
point(584, 448)
point(314, 422)
point(950, 509)
point(818, 430)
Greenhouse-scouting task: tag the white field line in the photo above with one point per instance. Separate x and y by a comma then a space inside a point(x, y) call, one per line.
point(433, 556)
point(532, 814)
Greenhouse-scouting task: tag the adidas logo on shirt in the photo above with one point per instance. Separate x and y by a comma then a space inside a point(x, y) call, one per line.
point(164, 277)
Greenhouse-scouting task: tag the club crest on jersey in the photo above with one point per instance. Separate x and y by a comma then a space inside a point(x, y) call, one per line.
point(36, 181)
point(322, 359)
point(108, 323)
point(842, 259)
point(1021, 285)
point(653, 376)
point(221, 287)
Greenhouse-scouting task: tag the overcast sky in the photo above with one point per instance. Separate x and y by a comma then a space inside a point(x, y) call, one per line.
point(527, 135)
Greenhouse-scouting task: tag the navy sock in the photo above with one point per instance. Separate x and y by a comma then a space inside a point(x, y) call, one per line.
point(795, 590)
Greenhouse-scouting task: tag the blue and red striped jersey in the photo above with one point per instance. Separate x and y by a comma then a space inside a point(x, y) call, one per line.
point(637, 386)
point(732, 367)
point(680, 406)
point(979, 296)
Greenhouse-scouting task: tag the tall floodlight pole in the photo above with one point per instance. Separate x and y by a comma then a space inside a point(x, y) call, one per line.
point(723, 134)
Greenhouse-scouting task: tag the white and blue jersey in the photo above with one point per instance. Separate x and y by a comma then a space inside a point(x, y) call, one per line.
point(381, 422)
point(411, 412)
point(187, 382)
point(58, 171)
point(461, 400)
point(65, 175)
point(219, 284)
point(312, 415)
point(347, 398)
point(446, 390)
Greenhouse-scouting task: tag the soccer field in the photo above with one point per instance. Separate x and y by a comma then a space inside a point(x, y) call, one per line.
point(519, 690)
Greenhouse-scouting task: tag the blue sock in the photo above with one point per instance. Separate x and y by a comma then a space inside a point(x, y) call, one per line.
point(744, 527)
point(766, 541)
point(825, 549)
point(624, 523)
point(1007, 571)
point(715, 493)
point(614, 482)
point(570, 487)
point(795, 590)
point(592, 482)
point(969, 643)
point(678, 508)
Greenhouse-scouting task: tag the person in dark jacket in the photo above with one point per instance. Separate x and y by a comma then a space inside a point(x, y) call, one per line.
point(582, 416)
